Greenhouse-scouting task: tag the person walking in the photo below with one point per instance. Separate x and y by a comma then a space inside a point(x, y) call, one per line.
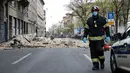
point(97, 30)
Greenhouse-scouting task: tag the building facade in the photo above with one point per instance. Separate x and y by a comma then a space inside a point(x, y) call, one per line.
point(3, 18)
point(41, 19)
point(68, 19)
point(17, 18)
point(67, 23)
point(20, 17)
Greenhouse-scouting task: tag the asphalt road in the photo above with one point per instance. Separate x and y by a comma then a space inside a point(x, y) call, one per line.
point(53, 60)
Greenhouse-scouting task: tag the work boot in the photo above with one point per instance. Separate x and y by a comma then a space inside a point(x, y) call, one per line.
point(95, 66)
point(102, 66)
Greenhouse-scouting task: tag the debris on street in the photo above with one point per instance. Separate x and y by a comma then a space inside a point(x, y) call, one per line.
point(31, 41)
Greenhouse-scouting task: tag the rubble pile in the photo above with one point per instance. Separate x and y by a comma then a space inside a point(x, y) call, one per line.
point(32, 41)
point(22, 40)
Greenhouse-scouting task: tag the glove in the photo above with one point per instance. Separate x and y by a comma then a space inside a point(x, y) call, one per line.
point(84, 40)
point(107, 39)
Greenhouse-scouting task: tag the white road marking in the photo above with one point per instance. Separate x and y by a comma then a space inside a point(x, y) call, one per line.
point(15, 62)
point(87, 57)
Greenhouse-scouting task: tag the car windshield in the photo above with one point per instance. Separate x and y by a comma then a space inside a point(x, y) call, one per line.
point(128, 29)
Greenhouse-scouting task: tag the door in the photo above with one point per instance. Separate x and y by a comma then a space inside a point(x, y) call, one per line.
point(124, 50)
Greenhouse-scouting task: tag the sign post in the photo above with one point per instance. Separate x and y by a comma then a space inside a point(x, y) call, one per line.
point(111, 23)
point(111, 20)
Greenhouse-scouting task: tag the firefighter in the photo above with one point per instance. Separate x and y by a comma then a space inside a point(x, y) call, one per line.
point(97, 30)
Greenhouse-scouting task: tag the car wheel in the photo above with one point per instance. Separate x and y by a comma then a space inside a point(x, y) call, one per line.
point(113, 63)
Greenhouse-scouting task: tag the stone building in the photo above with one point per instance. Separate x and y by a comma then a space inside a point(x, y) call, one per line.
point(21, 17)
point(41, 19)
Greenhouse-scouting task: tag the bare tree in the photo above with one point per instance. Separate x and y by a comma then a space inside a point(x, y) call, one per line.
point(125, 10)
point(118, 4)
point(105, 6)
point(81, 9)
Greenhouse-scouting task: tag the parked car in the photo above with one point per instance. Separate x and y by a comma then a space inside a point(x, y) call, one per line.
point(128, 24)
point(120, 53)
point(77, 36)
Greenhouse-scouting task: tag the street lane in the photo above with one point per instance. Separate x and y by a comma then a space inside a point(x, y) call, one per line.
point(15, 62)
point(53, 60)
point(7, 57)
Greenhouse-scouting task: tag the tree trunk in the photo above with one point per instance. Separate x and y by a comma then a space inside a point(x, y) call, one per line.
point(120, 21)
point(128, 10)
point(104, 12)
point(116, 22)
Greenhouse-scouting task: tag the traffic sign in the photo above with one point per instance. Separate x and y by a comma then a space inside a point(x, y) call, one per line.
point(111, 20)
point(110, 15)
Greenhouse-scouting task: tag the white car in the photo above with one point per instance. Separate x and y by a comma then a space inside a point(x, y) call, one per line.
point(120, 53)
point(128, 24)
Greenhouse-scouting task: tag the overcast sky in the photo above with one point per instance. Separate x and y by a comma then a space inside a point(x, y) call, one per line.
point(55, 10)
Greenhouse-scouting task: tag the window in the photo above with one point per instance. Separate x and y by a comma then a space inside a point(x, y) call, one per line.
point(13, 3)
point(27, 28)
point(128, 32)
point(22, 26)
point(15, 26)
point(19, 6)
point(19, 26)
point(22, 9)
point(10, 27)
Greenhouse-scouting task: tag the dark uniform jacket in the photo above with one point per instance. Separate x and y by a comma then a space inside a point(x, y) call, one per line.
point(96, 28)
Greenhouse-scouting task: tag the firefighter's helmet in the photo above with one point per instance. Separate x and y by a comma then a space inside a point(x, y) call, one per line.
point(95, 8)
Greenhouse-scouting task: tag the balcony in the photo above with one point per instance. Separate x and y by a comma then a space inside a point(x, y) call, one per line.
point(24, 3)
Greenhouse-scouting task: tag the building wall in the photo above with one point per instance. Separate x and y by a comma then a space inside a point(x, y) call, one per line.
point(21, 20)
point(17, 19)
point(68, 19)
point(25, 20)
point(32, 15)
point(40, 19)
point(32, 11)
point(2, 20)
